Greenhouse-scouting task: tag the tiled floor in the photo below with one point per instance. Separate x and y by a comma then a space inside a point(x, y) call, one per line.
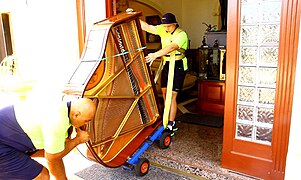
point(195, 149)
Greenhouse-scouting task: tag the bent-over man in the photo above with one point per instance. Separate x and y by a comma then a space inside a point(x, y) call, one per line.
point(30, 129)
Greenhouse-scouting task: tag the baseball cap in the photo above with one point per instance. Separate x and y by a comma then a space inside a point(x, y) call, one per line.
point(169, 18)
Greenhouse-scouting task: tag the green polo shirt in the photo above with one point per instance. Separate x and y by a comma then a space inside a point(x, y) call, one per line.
point(181, 38)
point(46, 123)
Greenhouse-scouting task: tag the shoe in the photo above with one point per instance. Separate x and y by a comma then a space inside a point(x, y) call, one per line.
point(172, 126)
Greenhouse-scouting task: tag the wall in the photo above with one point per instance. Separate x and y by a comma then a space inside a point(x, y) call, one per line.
point(46, 38)
point(194, 14)
point(190, 15)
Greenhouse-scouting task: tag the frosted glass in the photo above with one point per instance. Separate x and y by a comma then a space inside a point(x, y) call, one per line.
point(257, 71)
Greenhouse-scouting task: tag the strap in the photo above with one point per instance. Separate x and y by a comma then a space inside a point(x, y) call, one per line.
point(173, 36)
point(179, 51)
point(177, 57)
point(162, 63)
point(169, 89)
point(182, 50)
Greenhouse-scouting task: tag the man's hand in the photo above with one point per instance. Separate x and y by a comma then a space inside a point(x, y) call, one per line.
point(150, 58)
point(55, 162)
point(82, 136)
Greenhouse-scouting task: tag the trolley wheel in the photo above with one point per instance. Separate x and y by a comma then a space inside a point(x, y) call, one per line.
point(142, 167)
point(165, 140)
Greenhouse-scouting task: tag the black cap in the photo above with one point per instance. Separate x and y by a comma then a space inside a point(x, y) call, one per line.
point(169, 18)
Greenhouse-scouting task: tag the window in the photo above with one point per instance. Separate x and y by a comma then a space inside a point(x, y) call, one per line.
point(260, 27)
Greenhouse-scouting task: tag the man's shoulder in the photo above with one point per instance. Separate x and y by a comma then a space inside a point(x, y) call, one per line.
point(180, 31)
point(181, 34)
point(161, 29)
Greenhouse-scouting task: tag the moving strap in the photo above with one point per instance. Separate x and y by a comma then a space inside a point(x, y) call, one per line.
point(162, 63)
point(177, 57)
point(169, 89)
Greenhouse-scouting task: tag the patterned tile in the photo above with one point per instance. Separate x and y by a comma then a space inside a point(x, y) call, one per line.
point(196, 150)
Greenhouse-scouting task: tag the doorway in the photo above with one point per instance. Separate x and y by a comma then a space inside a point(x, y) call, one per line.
point(196, 149)
point(269, 157)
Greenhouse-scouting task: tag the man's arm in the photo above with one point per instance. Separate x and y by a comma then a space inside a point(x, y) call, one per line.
point(152, 56)
point(56, 168)
point(55, 161)
point(147, 27)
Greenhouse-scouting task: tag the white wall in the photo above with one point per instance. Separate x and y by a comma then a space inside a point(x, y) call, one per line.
point(294, 149)
point(194, 14)
point(190, 15)
point(45, 36)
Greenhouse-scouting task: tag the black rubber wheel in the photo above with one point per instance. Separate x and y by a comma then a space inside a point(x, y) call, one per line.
point(165, 140)
point(142, 167)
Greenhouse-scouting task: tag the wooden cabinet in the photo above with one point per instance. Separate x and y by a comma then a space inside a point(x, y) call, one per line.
point(211, 96)
point(211, 83)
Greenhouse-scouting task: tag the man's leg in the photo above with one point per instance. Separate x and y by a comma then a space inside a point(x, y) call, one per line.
point(44, 175)
point(173, 110)
point(15, 147)
point(39, 153)
point(174, 106)
point(18, 165)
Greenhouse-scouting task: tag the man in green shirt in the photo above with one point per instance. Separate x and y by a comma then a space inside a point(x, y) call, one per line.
point(172, 39)
point(35, 129)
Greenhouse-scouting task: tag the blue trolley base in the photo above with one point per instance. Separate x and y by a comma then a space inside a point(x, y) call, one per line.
point(135, 157)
